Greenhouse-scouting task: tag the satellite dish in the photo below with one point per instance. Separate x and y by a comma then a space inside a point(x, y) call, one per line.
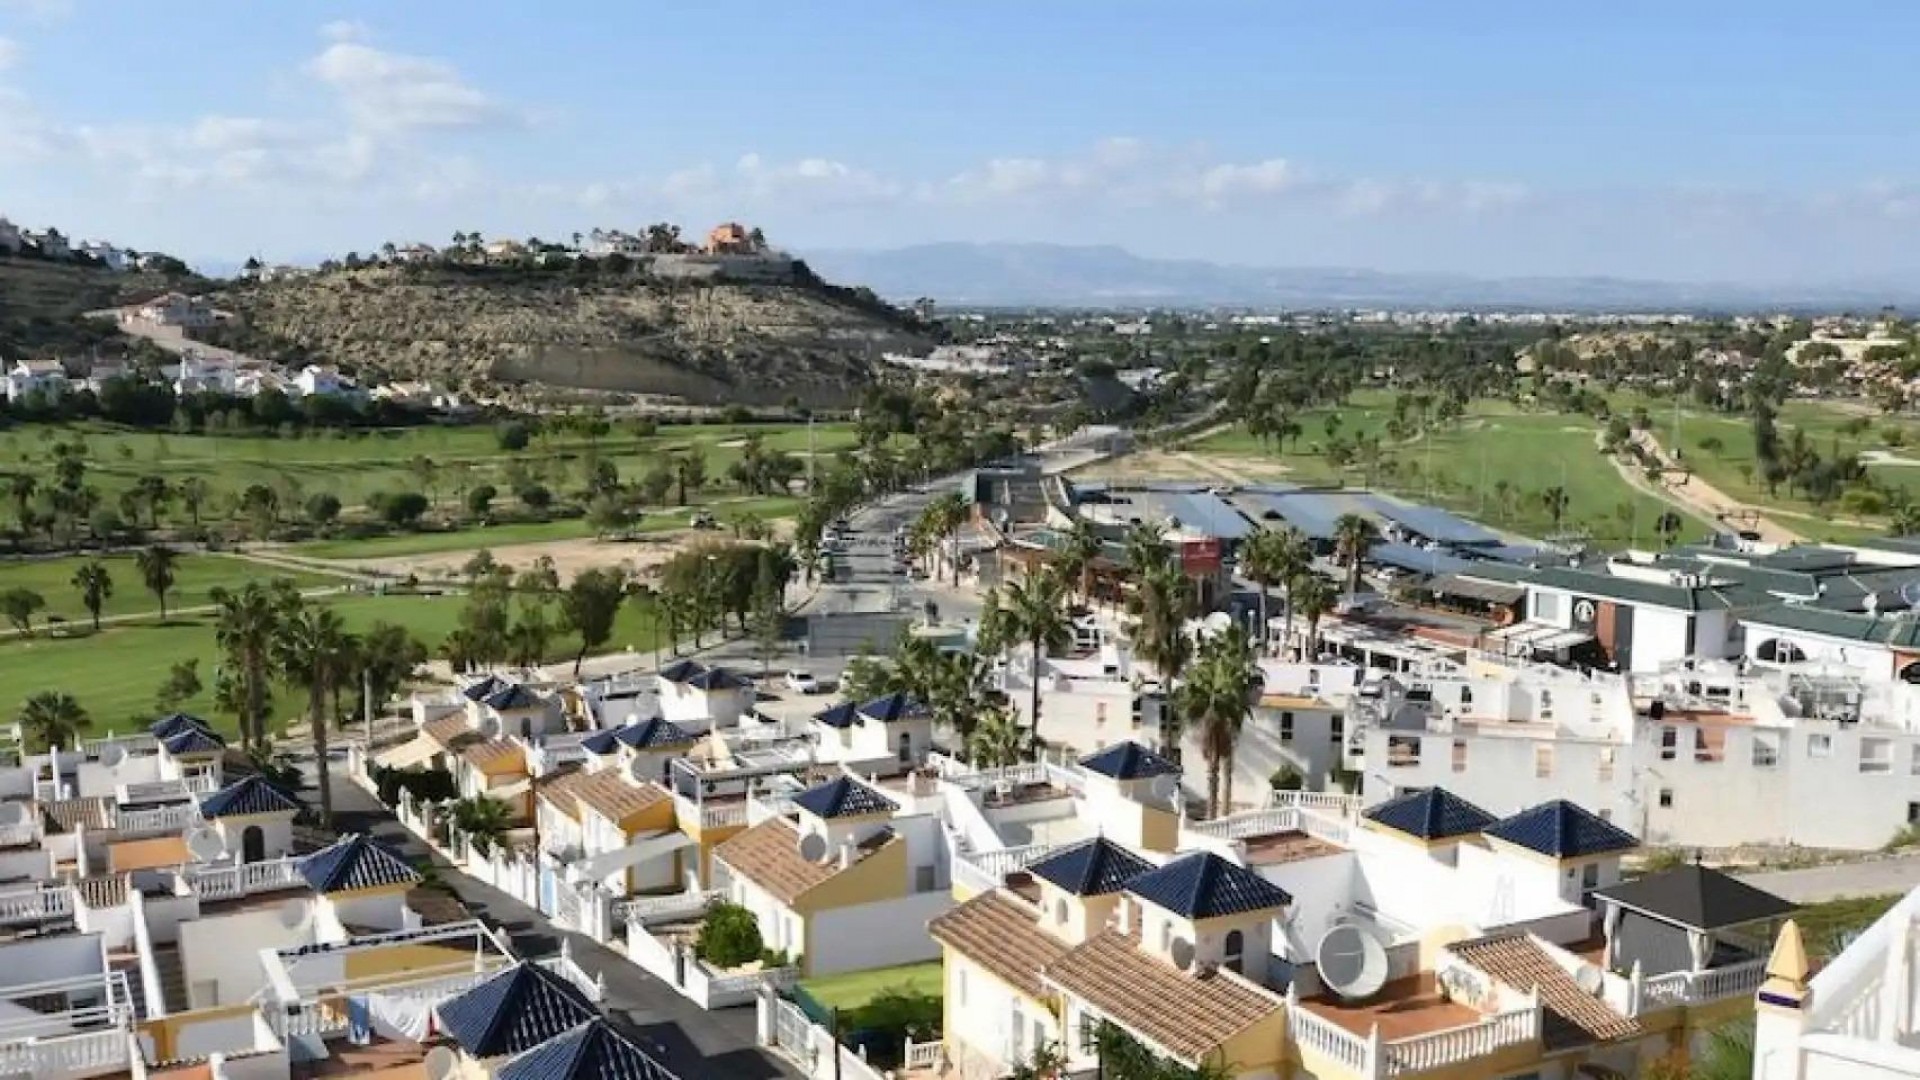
point(1910, 593)
point(113, 756)
point(1182, 950)
point(490, 727)
point(640, 769)
point(205, 843)
point(293, 914)
point(813, 847)
point(439, 1063)
point(12, 814)
point(1166, 788)
point(1590, 980)
point(1352, 963)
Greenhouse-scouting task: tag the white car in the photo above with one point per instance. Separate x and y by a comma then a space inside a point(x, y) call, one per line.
point(802, 682)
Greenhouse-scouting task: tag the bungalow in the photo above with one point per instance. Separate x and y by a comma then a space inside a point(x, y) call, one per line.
point(175, 309)
point(317, 379)
point(610, 828)
point(698, 698)
point(885, 735)
point(254, 817)
point(510, 1013)
point(30, 377)
point(113, 258)
point(199, 373)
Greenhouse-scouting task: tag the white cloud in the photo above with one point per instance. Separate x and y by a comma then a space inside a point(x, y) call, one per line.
point(1260, 178)
point(396, 92)
point(41, 11)
point(346, 30)
point(9, 53)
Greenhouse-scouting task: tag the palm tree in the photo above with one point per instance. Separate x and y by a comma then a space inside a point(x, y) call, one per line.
point(1147, 547)
point(1034, 612)
point(1276, 557)
point(193, 494)
point(1161, 603)
point(1555, 500)
point(156, 572)
point(1905, 520)
point(484, 819)
point(1217, 696)
point(1668, 526)
point(52, 719)
point(247, 628)
point(1315, 595)
point(940, 522)
point(95, 586)
point(1352, 535)
point(997, 740)
point(314, 652)
point(21, 487)
point(1077, 555)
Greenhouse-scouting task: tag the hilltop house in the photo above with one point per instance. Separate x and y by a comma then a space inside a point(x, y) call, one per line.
point(30, 377)
point(730, 238)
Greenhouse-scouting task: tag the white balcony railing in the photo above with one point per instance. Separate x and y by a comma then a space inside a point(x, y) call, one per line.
point(90, 1053)
point(723, 815)
point(1330, 802)
point(1343, 1048)
point(245, 879)
point(27, 832)
point(1440, 1049)
point(926, 1055)
point(201, 783)
point(1700, 987)
point(996, 865)
point(1320, 826)
point(40, 903)
point(1252, 823)
point(132, 744)
point(156, 820)
point(654, 909)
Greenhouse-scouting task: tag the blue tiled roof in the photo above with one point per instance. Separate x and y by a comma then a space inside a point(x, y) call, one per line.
point(1091, 867)
point(481, 689)
point(716, 678)
point(681, 671)
point(1128, 761)
point(600, 742)
point(843, 797)
point(193, 739)
point(1204, 886)
point(513, 696)
point(895, 706)
point(1562, 830)
point(593, 1051)
point(252, 795)
point(515, 1011)
point(356, 862)
point(643, 734)
point(843, 715)
point(172, 725)
point(1431, 814)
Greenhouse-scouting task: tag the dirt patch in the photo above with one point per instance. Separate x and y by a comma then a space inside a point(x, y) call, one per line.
point(1185, 465)
point(639, 556)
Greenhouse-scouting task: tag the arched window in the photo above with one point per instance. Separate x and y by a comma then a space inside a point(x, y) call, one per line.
point(1235, 949)
point(253, 844)
point(1776, 651)
point(906, 747)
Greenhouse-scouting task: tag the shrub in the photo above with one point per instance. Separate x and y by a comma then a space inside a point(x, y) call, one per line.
point(400, 508)
point(512, 435)
point(1287, 778)
point(729, 937)
point(480, 499)
point(535, 497)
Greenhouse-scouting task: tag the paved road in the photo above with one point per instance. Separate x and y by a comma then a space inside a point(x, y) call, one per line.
point(695, 1043)
point(1875, 877)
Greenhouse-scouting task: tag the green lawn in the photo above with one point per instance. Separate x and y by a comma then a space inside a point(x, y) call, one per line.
point(114, 674)
point(195, 576)
point(1824, 927)
point(725, 510)
point(355, 465)
point(1493, 466)
point(854, 989)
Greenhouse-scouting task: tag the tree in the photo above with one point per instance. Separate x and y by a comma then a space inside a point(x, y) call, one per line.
point(480, 499)
point(21, 488)
point(1668, 526)
point(1161, 603)
point(729, 937)
point(1033, 612)
point(1352, 536)
point(247, 629)
point(997, 739)
point(181, 686)
point(1272, 557)
point(323, 509)
point(1077, 555)
point(485, 821)
point(1315, 595)
point(52, 719)
point(193, 493)
point(534, 497)
point(690, 472)
point(20, 605)
point(402, 509)
point(1217, 696)
point(512, 436)
point(389, 655)
point(769, 610)
point(589, 607)
point(314, 652)
point(96, 587)
point(656, 482)
point(156, 573)
point(1555, 501)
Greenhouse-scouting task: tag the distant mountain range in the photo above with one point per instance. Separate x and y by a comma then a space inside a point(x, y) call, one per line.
point(1054, 275)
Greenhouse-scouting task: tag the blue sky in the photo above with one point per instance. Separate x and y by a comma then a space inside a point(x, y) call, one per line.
point(1760, 141)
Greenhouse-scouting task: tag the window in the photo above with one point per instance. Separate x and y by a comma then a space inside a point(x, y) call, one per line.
point(1089, 1034)
point(1913, 813)
point(1337, 728)
point(1819, 746)
point(1913, 766)
point(1876, 755)
point(1402, 751)
point(1236, 947)
point(1286, 727)
point(1466, 695)
point(1669, 743)
point(960, 985)
point(1313, 676)
point(906, 748)
point(1766, 749)
point(1459, 755)
point(1166, 935)
point(1543, 762)
point(1547, 607)
point(1776, 651)
point(1589, 877)
point(1060, 911)
point(1606, 764)
point(1666, 798)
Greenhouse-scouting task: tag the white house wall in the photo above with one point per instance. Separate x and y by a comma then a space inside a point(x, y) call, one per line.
point(876, 935)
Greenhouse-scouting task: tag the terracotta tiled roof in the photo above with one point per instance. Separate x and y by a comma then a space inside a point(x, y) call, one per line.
point(495, 757)
point(609, 794)
point(449, 731)
point(1188, 1015)
point(769, 856)
point(1003, 935)
point(1572, 1016)
point(556, 789)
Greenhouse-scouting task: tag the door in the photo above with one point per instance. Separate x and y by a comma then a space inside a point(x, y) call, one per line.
point(253, 844)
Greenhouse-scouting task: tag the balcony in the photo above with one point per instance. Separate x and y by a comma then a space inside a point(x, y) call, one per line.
point(1435, 1038)
point(36, 904)
point(156, 821)
point(87, 1040)
point(656, 909)
point(1702, 987)
point(245, 879)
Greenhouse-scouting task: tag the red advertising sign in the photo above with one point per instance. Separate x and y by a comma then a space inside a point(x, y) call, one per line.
point(1200, 557)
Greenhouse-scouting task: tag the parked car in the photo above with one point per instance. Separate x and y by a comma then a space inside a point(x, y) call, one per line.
point(802, 682)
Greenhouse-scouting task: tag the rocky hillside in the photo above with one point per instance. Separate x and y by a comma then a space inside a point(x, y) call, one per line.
point(707, 343)
point(41, 303)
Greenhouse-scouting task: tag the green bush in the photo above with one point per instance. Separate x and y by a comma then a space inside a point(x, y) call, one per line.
point(729, 937)
point(1287, 778)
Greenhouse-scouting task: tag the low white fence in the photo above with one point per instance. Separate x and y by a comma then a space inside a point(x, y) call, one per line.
point(657, 909)
point(785, 1029)
point(1700, 987)
point(1440, 1049)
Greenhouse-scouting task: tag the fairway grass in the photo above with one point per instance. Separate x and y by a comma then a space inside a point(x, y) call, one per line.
point(1493, 466)
point(195, 578)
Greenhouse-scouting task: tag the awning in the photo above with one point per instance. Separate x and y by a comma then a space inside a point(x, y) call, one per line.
point(1490, 592)
point(1557, 642)
point(408, 755)
point(659, 845)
